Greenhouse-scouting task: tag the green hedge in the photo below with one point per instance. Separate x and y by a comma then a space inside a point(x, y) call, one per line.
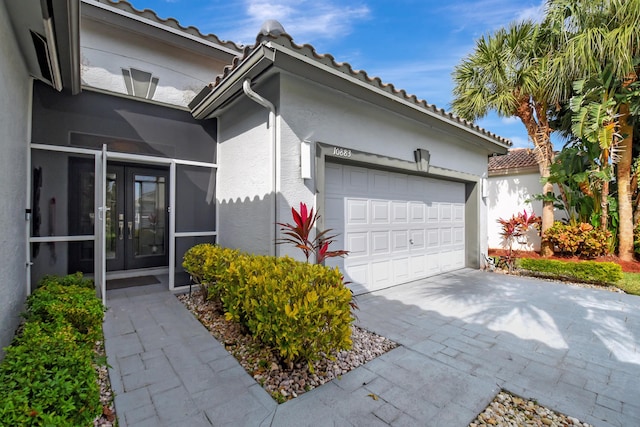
point(603, 273)
point(47, 377)
point(300, 309)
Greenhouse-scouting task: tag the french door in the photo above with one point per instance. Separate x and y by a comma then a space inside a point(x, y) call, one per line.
point(136, 220)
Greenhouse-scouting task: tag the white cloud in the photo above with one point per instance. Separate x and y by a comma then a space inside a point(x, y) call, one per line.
point(304, 20)
point(533, 13)
point(492, 14)
point(510, 120)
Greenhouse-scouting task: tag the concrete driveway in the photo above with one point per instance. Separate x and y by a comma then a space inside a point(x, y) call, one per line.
point(463, 336)
point(573, 349)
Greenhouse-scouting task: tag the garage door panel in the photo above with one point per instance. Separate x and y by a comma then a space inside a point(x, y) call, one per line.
point(416, 211)
point(380, 212)
point(458, 259)
point(399, 213)
point(446, 237)
point(397, 227)
point(458, 213)
point(446, 213)
point(433, 240)
point(399, 241)
point(357, 212)
point(433, 264)
point(417, 239)
point(358, 274)
point(447, 260)
point(401, 270)
point(357, 244)
point(432, 212)
point(418, 265)
point(381, 274)
point(380, 242)
point(458, 236)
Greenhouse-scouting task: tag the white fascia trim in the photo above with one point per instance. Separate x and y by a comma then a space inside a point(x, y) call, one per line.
point(379, 91)
point(161, 27)
point(237, 76)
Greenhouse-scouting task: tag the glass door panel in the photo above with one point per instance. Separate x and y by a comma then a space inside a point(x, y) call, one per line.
point(147, 222)
point(114, 217)
point(136, 221)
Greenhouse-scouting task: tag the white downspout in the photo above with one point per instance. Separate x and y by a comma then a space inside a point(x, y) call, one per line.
point(275, 157)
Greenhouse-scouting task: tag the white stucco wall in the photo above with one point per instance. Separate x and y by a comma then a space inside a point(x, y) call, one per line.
point(508, 195)
point(105, 51)
point(14, 118)
point(244, 184)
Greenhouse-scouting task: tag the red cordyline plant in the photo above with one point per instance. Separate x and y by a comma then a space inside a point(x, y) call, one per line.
point(298, 234)
point(515, 227)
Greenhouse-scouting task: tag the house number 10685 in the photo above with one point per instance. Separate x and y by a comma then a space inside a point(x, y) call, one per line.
point(341, 152)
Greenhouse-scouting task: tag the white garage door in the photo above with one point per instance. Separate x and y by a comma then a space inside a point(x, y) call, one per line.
point(396, 227)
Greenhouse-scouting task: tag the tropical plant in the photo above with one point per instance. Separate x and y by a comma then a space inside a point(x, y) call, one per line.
point(581, 239)
point(514, 228)
point(299, 235)
point(506, 73)
point(591, 38)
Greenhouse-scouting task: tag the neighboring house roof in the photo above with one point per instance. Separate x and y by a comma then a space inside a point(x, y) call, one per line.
point(517, 160)
point(173, 23)
point(259, 57)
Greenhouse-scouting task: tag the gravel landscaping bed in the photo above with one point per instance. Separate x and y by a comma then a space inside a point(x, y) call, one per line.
point(283, 382)
point(108, 416)
point(508, 410)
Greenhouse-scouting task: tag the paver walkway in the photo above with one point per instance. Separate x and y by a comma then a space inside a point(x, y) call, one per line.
point(463, 337)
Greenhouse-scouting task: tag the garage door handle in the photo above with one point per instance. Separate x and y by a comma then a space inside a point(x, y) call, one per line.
point(411, 241)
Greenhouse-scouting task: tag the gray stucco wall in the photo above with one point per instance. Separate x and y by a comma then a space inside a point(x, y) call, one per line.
point(14, 112)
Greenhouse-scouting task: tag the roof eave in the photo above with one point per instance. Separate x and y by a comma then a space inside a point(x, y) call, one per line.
point(210, 98)
point(492, 145)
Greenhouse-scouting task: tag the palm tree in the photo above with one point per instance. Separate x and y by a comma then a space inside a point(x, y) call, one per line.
point(588, 37)
point(506, 73)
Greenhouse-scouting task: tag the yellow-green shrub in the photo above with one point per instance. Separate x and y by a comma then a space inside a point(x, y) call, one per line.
point(300, 309)
point(206, 263)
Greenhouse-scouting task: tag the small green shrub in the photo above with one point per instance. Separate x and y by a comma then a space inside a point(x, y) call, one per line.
point(300, 309)
point(47, 377)
point(56, 303)
point(603, 273)
point(76, 279)
point(578, 239)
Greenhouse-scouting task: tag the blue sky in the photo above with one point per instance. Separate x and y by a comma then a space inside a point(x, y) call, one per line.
point(414, 44)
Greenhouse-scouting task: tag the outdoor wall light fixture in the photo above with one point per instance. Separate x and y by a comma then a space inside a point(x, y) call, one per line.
point(422, 158)
point(305, 159)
